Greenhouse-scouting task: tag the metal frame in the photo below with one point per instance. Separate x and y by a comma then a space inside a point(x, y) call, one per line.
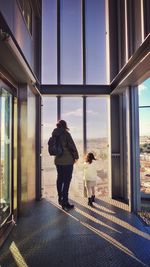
point(84, 125)
point(58, 43)
point(75, 89)
point(137, 66)
point(83, 42)
point(134, 156)
point(38, 148)
point(9, 220)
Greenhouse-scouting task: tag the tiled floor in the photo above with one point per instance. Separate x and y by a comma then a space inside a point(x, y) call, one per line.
point(107, 235)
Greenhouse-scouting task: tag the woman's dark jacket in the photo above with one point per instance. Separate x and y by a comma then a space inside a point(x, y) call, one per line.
point(70, 153)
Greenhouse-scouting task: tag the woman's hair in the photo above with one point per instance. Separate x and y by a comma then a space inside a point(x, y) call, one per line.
point(90, 157)
point(62, 124)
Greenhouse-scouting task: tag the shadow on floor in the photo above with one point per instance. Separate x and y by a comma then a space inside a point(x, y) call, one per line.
point(107, 235)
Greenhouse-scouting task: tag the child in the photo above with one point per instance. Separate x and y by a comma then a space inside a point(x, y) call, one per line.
point(90, 175)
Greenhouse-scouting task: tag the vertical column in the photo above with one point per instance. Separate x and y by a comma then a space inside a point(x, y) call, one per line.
point(84, 124)
point(58, 107)
point(134, 150)
point(26, 149)
point(22, 148)
point(38, 148)
point(58, 43)
point(83, 41)
point(115, 147)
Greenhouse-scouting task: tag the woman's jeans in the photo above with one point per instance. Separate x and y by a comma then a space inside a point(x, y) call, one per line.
point(64, 175)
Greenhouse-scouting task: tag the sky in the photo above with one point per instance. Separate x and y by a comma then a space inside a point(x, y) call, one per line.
point(144, 113)
point(72, 112)
point(71, 42)
point(71, 61)
point(144, 93)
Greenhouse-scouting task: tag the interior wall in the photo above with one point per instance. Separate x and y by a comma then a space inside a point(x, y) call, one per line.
point(27, 149)
point(31, 150)
point(28, 43)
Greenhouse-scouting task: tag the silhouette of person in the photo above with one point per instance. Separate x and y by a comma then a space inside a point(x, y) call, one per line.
point(64, 163)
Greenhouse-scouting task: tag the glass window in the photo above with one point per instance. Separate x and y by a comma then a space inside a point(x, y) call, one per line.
point(72, 113)
point(144, 125)
point(5, 154)
point(49, 42)
point(70, 42)
point(97, 139)
point(49, 118)
point(144, 132)
point(95, 41)
point(97, 132)
point(144, 93)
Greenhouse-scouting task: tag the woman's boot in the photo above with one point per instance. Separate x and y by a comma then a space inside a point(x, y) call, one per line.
point(90, 202)
point(93, 198)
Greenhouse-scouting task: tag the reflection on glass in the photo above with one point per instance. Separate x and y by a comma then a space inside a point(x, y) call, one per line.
point(70, 42)
point(144, 125)
point(97, 139)
point(5, 154)
point(49, 42)
point(49, 119)
point(95, 41)
point(72, 113)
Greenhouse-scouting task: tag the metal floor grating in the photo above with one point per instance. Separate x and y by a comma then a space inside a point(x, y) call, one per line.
point(107, 235)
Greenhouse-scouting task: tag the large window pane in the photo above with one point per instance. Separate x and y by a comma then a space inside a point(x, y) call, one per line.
point(95, 40)
point(5, 154)
point(144, 93)
point(72, 113)
point(49, 119)
point(97, 139)
point(70, 42)
point(144, 123)
point(97, 132)
point(49, 42)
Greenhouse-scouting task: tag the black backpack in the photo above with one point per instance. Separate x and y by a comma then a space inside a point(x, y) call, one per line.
point(54, 146)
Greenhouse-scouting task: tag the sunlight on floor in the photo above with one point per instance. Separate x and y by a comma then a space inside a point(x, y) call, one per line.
point(113, 241)
point(107, 215)
point(17, 255)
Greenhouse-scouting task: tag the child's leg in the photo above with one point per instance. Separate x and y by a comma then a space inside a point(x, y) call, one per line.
point(93, 190)
point(93, 193)
point(89, 191)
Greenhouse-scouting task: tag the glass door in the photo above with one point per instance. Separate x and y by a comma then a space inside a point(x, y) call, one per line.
point(5, 155)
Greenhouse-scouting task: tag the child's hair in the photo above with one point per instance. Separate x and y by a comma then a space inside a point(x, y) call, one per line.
point(90, 157)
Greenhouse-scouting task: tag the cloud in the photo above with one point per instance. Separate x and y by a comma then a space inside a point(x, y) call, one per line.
point(91, 112)
point(76, 113)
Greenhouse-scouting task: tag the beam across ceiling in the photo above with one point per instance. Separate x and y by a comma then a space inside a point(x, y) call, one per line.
point(136, 70)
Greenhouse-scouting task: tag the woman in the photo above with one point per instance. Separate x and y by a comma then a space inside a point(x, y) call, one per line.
point(64, 163)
